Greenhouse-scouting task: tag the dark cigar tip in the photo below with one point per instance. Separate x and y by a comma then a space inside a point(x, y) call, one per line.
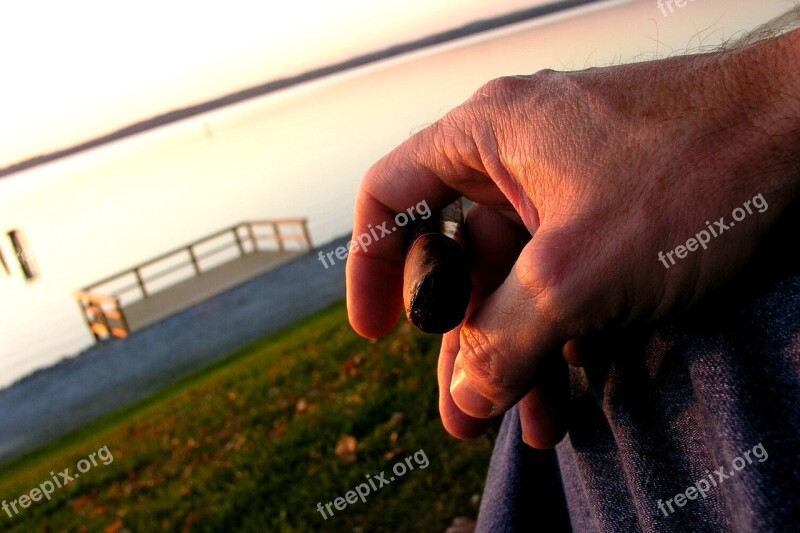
point(438, 284)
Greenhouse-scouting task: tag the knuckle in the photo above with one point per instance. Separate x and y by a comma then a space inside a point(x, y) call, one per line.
point(505, 88)
point(546, 277)
point(502, 88)
point(480, 357)
point(458, 136)
point(448, 130)
point(540, 276)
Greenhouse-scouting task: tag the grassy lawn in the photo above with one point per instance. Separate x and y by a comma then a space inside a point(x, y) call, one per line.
point(250, 444)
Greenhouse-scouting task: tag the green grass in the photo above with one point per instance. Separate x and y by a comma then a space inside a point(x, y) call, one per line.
point(227, 449)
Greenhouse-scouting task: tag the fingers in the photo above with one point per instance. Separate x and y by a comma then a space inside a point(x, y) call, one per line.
point(454, 420)
point(497, 242)
point(427, 172)
point(576, 352)
point(544, 411)
point(505, 343)
point(495, 360)
point(374, 294)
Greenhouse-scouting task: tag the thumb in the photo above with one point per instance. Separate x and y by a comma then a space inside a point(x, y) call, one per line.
point(505, 343)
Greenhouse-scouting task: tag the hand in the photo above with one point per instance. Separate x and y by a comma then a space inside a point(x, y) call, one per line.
point(582, 182)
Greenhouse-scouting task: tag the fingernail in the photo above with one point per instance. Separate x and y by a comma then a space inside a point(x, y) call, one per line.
point(467, 397)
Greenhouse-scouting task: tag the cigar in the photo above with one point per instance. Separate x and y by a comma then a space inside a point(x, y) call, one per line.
point(436, 278)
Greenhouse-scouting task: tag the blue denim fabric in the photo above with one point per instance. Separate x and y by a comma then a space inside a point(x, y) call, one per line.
point(669, 407)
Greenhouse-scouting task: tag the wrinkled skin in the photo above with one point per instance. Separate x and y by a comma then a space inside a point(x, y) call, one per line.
point(579, 180)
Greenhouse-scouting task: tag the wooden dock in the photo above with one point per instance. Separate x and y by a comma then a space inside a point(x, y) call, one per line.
point(174, 281)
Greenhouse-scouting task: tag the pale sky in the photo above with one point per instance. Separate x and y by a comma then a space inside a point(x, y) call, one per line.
point(74, 70)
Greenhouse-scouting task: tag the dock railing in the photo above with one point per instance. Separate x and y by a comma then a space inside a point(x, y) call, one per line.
point(102, 302)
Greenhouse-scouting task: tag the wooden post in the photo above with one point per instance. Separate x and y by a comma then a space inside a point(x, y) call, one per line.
point(252, 236)
point(278, 238)
point(141, 282)
point(123, 321)
point(306, 234)
point(85, 313)
point(101, 314)
point(238, 241)
point(194, 260)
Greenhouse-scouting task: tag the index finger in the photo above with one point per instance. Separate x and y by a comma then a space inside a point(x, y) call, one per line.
point(427, 172)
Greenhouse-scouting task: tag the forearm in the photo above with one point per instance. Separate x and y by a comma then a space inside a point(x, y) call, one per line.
point(772, 52)
point(765, 81)
point(770, 74)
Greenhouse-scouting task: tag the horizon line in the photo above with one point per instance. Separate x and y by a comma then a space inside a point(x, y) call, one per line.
point(176, 115)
